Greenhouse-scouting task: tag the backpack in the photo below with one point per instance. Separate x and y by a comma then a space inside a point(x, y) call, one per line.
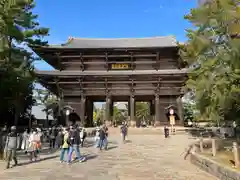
point(72, 137)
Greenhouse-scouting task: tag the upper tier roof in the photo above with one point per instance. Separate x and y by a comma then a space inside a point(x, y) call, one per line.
point(94, 43)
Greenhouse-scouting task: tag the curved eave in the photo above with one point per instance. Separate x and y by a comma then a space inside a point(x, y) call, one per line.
point(59, 48)
point(164, 72)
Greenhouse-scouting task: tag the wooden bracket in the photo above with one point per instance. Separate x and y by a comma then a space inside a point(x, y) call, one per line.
point(59, 65)
point(82, 62)
point(106, 59)
point(132, 61)
point(157, 61)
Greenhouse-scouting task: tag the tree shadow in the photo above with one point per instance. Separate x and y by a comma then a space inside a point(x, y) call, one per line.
point(41, 159)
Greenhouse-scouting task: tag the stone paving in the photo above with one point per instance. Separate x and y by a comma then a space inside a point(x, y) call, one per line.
point(144, 157)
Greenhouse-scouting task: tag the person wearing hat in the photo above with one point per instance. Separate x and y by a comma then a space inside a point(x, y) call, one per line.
point(11, 146)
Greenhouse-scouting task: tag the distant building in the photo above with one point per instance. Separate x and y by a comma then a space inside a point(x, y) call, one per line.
point(40, 115)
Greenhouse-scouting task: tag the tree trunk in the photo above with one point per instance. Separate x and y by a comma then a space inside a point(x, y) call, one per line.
point(47, 121)
point(16, 116)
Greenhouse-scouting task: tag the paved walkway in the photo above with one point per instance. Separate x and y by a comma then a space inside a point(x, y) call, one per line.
point(145, 157)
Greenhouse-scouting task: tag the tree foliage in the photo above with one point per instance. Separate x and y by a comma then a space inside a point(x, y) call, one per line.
point(143, 112)
point(213, 53)
point(18, 29)
point(188, 111)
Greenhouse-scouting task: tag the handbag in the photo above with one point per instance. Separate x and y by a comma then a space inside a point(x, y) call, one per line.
point(38, 145)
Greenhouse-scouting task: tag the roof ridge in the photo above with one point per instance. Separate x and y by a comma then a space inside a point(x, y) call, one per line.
point(79, 38)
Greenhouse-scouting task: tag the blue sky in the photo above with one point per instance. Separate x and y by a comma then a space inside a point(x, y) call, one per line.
point(112, 19)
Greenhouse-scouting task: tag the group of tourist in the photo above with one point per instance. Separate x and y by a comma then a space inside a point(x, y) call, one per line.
point(67, 139)
point(31, 143)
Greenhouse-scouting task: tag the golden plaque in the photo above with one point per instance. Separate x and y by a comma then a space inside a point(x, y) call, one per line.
point(119, 66)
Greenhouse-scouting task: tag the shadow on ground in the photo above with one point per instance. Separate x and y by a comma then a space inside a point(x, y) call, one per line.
point(89, 143)
point(128, 141)
point(111, 147)
point(46, 151)
point(41, 159)
point(87, 156)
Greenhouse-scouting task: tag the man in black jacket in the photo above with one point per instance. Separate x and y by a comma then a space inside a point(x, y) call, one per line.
point(102, 136)
point(74, 141)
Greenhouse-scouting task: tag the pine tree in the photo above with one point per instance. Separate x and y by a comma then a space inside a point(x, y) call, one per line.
point(213, 53)
point(18, 29)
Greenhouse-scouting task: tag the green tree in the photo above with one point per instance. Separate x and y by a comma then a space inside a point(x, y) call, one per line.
point(18, 30)
point(188, 111)
point(49, 101)
point(213, 53)
point(118, 115)
point(143, 112)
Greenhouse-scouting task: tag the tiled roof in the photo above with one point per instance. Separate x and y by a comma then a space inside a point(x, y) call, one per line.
point(151, 42)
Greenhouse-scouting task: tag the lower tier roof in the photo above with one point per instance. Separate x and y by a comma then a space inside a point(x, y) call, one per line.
point(112, 73)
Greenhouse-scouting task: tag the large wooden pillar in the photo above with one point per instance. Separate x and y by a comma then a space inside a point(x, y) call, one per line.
point(83, 110)
point(180, 110)
point(132, 111)
point(108, 111)
point(89, 112)
point(157, 110)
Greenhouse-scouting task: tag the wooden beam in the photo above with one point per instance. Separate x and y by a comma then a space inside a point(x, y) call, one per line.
point(122, 93)
point(109, 62)
point(109, 56)
point(118, 82)
point(126, 88)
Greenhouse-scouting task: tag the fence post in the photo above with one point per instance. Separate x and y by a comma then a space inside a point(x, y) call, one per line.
point(236, 155)
point(214, 149)
point(201, 145)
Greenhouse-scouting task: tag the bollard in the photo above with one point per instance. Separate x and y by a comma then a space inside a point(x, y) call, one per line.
point(166, 132)
point(236, 155)
point(201, 145)
point(214, 149)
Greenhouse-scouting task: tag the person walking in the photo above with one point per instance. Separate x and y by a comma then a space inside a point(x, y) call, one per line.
point(102, 137)
point(11, 147)
point(124, 132)
point(105, 129)
point(65, 146)
point(52, 139)
point(59, 138)
point(74, 144)
point(97, 137)
point(33, 145)
point(25, 142)
point(83, 135)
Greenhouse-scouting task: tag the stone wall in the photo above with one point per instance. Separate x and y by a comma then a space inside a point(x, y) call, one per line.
point(212, 167)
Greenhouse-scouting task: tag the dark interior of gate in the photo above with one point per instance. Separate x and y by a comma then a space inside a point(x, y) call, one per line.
point(114, 70)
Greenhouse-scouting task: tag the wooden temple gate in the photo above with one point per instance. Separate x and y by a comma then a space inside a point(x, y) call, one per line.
point(110, 70)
